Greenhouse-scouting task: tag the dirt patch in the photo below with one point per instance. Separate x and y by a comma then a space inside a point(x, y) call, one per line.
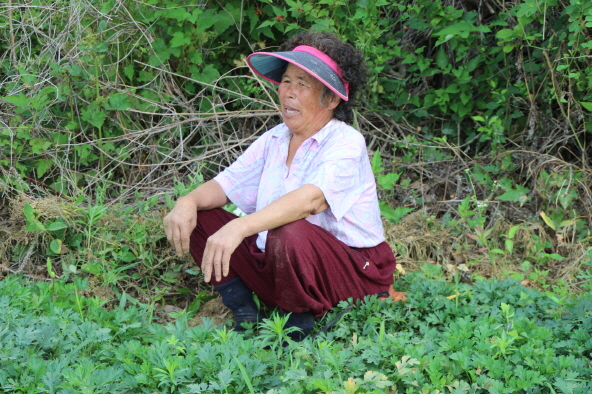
point(213, 309)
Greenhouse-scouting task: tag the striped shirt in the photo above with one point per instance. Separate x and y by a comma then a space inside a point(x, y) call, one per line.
point(334, 159)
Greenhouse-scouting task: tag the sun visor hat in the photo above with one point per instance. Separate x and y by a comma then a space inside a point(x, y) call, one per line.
point(272, 65)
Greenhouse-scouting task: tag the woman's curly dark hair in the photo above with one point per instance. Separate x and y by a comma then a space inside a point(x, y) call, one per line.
point(348, 58)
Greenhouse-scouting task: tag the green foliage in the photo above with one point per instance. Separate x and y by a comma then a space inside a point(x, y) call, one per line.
point(493, 336)
point(386, 183)
point(470, 70)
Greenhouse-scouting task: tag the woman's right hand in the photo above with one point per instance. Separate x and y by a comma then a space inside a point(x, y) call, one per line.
point(180, 223)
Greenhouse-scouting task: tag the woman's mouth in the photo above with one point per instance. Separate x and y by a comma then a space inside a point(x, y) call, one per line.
point(290, 111)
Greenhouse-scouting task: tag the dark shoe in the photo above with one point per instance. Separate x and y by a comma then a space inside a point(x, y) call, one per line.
point(239, 298)
point(303, 321)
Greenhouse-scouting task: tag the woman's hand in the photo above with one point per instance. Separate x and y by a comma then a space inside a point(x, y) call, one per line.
point(179, 224)
point(181, 221)
point(219, 248)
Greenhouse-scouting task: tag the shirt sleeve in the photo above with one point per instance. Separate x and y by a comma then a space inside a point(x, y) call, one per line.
point(240, 181)
point(338, 175)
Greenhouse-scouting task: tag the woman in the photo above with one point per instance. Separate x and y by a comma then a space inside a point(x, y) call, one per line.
point(312, 235)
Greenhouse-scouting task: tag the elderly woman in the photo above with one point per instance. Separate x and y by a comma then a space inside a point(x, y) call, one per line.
point(312, 235)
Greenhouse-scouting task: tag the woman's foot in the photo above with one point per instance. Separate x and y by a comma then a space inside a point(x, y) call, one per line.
point(239, 299)
point(303, 321)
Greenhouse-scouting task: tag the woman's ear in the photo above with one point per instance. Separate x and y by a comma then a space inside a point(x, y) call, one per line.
point(329, 99)
point(335, 100)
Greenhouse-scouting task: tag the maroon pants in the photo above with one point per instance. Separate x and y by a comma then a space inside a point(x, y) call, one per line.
point(304, 267)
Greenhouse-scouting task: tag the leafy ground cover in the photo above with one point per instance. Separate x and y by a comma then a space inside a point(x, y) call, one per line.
point(488, 337)
point(476, 117)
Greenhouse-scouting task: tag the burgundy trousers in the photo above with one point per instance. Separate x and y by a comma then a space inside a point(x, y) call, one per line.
point(304, 267)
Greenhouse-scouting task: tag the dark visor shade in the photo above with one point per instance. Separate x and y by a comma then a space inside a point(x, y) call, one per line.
point(272, 65)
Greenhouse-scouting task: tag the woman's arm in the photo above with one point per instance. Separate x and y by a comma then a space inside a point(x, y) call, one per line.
point(182, 219)
point(298, 204)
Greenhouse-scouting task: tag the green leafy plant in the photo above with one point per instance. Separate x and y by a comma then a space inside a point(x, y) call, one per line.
point(386, 184)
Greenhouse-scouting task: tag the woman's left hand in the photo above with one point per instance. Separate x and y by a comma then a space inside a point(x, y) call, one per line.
point(219, 248)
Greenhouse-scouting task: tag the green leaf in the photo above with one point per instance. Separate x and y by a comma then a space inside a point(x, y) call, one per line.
point(56, 246)
point(101, 47)
point(43, 165)
point(442, 58)
point(50, 268)
point(129, 71)
point(207, 75)
point(107, 6)
point(548, 220)
point(512, 231)
point(515, 195)
point(269, 22)
point(195, 15)
point(127, 257)
point(388, 181)
point(55, 226)
point(93, 115)
point(509, 245)
point(376, 163)
point(554, 256)
point(20, 101)
point(39, 146)
point(29, 212)
point(587, 105)
point(34, 225)
point(119, 101)
point(223, 21)
point(178, 13)
point(394, 215)
point(505, 34)
point(179, 40)
point(196, 58)
point(206, 20)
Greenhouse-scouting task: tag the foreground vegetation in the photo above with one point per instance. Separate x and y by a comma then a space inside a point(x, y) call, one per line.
point(476, 116)
point(491, 337)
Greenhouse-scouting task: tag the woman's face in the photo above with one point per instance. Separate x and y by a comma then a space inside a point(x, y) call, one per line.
point(300, 101)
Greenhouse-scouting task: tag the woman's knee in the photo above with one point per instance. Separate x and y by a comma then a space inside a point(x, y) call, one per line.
point(291, 232)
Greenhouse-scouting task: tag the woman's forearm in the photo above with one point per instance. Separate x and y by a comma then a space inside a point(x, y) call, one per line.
point(206, 196)
point(298, 204)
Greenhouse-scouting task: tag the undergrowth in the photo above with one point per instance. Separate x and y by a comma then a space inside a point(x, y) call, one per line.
point(489, 337)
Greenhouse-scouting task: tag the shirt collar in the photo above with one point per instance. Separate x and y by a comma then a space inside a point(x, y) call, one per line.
point(323, 133)
point(285, 134)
